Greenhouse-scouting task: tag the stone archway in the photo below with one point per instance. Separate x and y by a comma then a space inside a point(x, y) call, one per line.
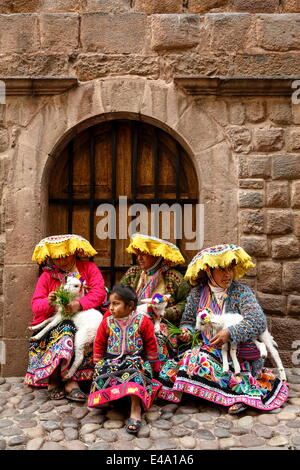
point(34, 156)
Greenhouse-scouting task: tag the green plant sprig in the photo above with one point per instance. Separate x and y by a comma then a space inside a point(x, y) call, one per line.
point(175, 331)
point(63, 298)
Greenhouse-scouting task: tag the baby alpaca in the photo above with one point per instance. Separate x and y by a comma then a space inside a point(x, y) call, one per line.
point(86, 322)
point(158, 303)
point(207, 321)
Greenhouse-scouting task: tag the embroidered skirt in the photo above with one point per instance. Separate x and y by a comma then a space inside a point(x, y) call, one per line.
point(116, 378)
point(54, 349)
point(199, 373)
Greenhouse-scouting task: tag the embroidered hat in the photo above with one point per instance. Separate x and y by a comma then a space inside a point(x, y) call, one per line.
point(219, 256)
point(59, 246)
point(155, 247)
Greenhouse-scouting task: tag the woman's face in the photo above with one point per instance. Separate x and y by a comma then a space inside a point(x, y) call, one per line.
point(118, 308)
point(146, 261)
point(223, 276)
point(66, 263)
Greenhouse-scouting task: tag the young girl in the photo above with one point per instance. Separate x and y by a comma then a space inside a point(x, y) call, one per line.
point(125, 351)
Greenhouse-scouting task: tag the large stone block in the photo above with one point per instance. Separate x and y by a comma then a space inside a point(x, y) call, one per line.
point(272, 303)
point(92, 66)
point(17, 311)
point(286, 167)
point(252, 221)
point(19, 33)
point(6, 6)
point(255, 246)
point(108, 6)
point(255, 6)
point(252, 184)
point(259, 166)
point(293, 140)
point(291, 6)
point(269, 277)
point(4, 139)
point(251, 199)
point(266, 140)
point(16, 357)
point(113, 33)
point(280, 111)
point(229, 31)
point(236, 113)
point(285, 332)
point(175, 31)
point(279, 222)
point(293, 305)
point(255, 110)
point(295, 195)
point(59, 32)
point(240, 138)
point(285, 247)
point(26, 6)
point(278, 32)
point(278, 194)
point(202, 6)
point(291, 276)
point(158, 6)
point(296, 217)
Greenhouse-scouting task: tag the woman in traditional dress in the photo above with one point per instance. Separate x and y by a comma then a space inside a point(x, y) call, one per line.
point(125, 351)
point(199, 371)
point(51, 357)
point(155, 274)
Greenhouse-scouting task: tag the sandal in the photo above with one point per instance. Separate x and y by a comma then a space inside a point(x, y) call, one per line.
point(76, 395)
point(237, 408)
point(56, 393)
point(135, 423)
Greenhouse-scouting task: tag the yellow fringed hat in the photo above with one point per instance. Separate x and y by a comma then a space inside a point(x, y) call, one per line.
point(219, 256)
point(59, 246)
point(155, 247)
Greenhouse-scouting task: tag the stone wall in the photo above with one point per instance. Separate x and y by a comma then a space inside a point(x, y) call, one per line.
point(126, 55)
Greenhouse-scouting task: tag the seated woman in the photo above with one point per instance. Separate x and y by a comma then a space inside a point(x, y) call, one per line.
point(155, 274)
point(199, 371)
point(125, 351)
point(51, 357)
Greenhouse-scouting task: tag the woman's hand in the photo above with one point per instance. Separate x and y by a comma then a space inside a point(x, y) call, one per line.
point(51, 297)
point(72, 307)
point(185, 336)
point(220, 338)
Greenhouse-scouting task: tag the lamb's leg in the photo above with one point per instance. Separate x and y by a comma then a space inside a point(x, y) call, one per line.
point(79, 344)
point(55, 321)
point(157, 326)
point(236, 364)
point(268, 340)
point(225, 357)
point(262, 348)
point(40, 325)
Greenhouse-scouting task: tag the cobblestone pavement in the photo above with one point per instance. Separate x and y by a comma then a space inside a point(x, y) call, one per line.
point(29, 420)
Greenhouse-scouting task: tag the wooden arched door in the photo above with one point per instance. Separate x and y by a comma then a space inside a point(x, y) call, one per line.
point(113, 159)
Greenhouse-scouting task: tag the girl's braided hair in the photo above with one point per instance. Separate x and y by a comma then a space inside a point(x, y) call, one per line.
point(126, 293)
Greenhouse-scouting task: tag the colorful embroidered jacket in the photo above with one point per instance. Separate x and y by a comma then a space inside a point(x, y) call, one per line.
point(240, 300)
point(175, 285)
point(117, 338)
point(45, 284)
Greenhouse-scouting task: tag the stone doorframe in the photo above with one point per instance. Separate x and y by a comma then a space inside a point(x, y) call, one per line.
point(45, 125)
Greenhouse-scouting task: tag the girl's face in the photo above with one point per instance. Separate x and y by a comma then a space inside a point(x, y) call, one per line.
point(118, 308)
point(66, 263)
point(223, 276)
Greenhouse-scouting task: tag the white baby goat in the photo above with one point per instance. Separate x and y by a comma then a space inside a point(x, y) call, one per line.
point(207, 321)
point(158, 303)
point(86, 322)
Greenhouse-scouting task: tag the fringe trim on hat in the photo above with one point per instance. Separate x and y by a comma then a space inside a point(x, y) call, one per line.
point(155, 247)
point(220, 260)
point(51, 248)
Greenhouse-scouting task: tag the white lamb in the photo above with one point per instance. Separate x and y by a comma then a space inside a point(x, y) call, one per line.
point(158, 303)
point(86, 322)
point(207, 321)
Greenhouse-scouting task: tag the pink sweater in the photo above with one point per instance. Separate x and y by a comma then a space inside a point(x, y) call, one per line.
point(45, 284)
